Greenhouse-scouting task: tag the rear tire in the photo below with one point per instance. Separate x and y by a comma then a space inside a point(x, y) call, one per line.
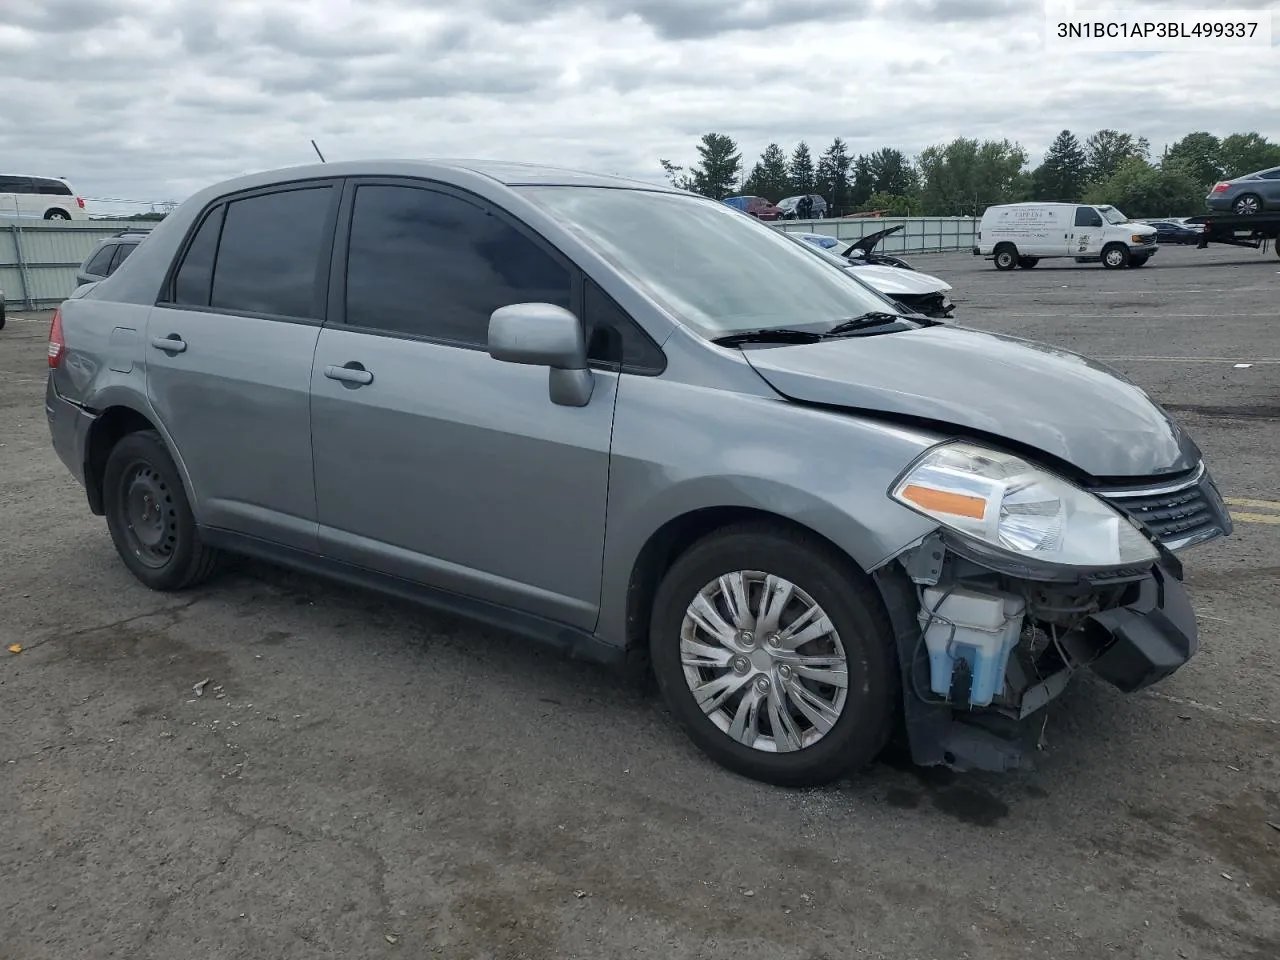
point(57, 215)
point(1115, 257)
point(1006, 256)
point(824, 730)
point(1248, 204)
point(1026, 263)
point(149, 516)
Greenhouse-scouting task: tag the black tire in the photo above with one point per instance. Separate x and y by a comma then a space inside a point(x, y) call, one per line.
point(1026, 263)
point(1139, 259)
point(1006, 256)
point(1115, 256)
point(852, 604)
point(139, 466)
point(2, 316)
point(57, 215)
point(1247, 204)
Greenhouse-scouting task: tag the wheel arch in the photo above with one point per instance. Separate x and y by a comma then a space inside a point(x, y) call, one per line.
point(666, 544)
point(116, 421)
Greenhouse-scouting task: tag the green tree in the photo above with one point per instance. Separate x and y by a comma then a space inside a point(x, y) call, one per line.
point(1200, 153)
point(862, 183)
point(800, 173)
point(1062, 174)
point(768, 177)
point(891, 172)
point(833, 176)
point(1142, 190)
point(1107, 149)
point(717, 174)
point(964, 177)
point(1246, 152)
point(677, 174)
point(892, 204)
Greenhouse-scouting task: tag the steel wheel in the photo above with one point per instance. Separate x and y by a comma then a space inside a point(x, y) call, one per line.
point(764, 661)
point(150, 517)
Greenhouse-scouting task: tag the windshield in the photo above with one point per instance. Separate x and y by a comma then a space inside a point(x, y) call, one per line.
point(709, 266)
point(1112, 215)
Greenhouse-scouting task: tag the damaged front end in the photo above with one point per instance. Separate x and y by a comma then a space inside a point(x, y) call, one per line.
point(988, 632)
point(936, 305)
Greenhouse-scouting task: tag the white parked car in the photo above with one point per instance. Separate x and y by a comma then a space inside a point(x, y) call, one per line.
point(917, 292)
point(47, 198)
point(1023, 234)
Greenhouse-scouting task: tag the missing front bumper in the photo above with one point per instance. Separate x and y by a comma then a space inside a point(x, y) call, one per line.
point(1132, 645)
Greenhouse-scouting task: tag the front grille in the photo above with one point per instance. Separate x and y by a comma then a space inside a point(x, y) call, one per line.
point(1179, 514)
point(1150, 239)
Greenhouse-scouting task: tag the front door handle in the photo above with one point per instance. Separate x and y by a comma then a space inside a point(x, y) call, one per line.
point(352, 372)
point(170, 344)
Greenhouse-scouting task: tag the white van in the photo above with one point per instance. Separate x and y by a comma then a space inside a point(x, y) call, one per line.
point(49, 198)
point(1023, 234)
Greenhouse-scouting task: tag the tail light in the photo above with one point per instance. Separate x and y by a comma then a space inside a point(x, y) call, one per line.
point(80, 202)
point(1220, 187)
point(57, 345)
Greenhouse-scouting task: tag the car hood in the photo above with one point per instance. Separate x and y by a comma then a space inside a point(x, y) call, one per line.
point(1057, 402)
point(895, 280)
point(868, 243)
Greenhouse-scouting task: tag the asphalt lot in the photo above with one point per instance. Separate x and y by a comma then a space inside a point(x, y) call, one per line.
point(364, 779)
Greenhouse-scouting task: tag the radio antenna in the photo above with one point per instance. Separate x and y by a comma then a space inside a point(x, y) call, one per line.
point(317, 150)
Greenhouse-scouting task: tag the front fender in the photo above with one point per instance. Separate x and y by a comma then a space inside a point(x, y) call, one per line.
point(826, 470)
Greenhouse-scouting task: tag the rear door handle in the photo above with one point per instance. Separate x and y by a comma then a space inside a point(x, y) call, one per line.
point(170, 344)
point(351, 372)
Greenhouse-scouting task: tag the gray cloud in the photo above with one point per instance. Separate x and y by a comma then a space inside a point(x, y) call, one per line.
point(156, 99)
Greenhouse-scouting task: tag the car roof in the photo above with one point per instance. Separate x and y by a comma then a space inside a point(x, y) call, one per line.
point(507, 173)
point(36, 176)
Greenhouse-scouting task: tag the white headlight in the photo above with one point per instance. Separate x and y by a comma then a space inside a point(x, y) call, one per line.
point(1005, 502)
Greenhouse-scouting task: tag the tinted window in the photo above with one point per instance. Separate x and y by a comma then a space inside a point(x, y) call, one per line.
point(16, 185)
point(54, 188)
point(1087, 217)
point(1270, 175)
point(122, 252)
point(100, 265)
point(613, 337)
point(269, 255)
point(430, 264)
point(191, 285)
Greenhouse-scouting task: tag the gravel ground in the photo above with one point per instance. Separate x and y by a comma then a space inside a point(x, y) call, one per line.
point(364, 779)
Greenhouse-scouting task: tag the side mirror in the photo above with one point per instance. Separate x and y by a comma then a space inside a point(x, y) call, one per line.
point(544, 335)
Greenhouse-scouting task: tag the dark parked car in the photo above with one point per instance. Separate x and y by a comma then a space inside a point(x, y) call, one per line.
point(108, 255)
point(1175, 231)
point(758, 207)
point(790, 207)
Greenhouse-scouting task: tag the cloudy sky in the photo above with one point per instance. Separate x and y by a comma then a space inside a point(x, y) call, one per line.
point(152, 99)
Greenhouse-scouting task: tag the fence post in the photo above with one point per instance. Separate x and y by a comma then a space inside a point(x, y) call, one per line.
point(24, 278)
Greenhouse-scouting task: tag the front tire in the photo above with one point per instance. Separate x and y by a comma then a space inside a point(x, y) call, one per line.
point(774, 654)
point(1115, 257)
point(149, 516)
point(1006, 257)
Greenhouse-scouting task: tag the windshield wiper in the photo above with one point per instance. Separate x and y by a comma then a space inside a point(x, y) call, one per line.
point(769, 335)
point(873, 318)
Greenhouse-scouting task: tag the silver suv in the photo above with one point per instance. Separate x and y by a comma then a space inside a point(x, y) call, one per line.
point(553, 402)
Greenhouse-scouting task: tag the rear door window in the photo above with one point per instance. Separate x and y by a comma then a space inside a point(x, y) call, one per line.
point(122, 252)
point(195, 274)
point(269, 257)
point(16, 185)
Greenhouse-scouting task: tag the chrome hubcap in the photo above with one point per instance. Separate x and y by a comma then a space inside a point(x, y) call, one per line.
point(764, 661)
